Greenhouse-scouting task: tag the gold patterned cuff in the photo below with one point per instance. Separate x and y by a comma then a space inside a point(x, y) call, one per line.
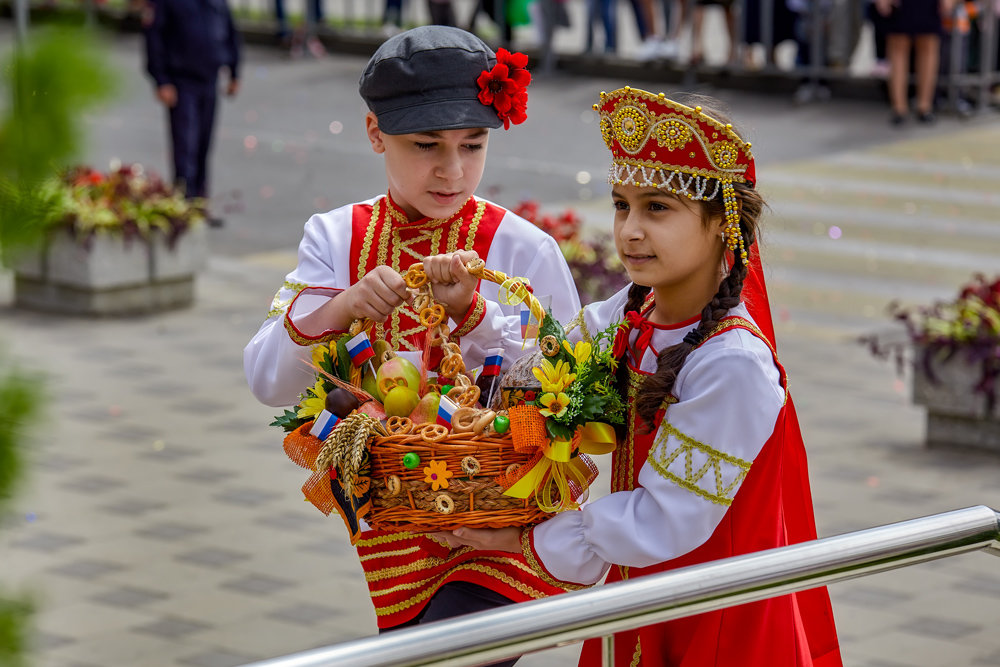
point(473, 316)
point(302, 338)
point(531, 558)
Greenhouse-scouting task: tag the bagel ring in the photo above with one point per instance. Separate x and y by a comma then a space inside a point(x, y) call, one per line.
point(471, 465)
point(392, 486)
point(549, 346)
point(444, 504)
point(464, 420)
point(433, 432)
point(511, 468)
point(399, 425)
point(486, 418)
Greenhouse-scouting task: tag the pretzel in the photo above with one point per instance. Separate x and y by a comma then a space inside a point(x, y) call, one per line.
point(465, 396)
point(464, 420)
point(433, 432)
point(452, 366)
point(432, 316)
point(388, 383)
point(400, 425)
point(415, 277)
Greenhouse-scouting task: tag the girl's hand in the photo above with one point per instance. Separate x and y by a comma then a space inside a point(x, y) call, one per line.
point(454, 287)
point(489, 539)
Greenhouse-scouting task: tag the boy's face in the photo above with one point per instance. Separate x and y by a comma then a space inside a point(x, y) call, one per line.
point(431, 173)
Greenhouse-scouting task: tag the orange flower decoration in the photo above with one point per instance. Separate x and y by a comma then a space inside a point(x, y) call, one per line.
point(437, 474)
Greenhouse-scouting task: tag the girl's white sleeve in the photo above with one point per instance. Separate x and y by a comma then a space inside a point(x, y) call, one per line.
point(730, 398)
point(275, 365)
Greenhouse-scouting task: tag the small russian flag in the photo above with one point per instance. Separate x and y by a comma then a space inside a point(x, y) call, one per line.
point(360, 349)
point(323, 426)
point(494, 360)
point(446, 408)
point(525, 320)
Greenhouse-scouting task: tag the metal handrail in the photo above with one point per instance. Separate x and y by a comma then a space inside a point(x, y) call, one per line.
point(488, 636)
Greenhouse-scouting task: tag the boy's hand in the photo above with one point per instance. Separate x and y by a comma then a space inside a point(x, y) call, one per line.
point(375, 296)
point(453, 285)
point(488, 539)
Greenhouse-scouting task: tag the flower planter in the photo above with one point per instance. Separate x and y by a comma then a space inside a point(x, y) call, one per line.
point(111, 276)
point(957, 416)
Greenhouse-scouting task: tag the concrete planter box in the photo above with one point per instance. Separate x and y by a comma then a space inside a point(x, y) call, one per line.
point(957, 416)
point(111, 277)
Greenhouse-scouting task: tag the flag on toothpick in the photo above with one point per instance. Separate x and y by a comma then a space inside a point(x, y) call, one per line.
point(529, 323)
point(494, 360)
point(446, 408)
point(323, 426)
point(360, 349)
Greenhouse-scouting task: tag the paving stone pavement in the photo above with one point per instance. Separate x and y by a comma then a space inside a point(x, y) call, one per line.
point(161, 524)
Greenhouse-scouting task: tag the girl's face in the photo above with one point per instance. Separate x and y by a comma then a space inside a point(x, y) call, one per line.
point(431, 173)
point(664, 244)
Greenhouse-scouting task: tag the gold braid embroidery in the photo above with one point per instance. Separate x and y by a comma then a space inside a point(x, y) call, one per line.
point(366, 245)
point(637, 656)
point(470, 239)
point(529, 556)
point(279, 305)
point(385, 539)
point(482, 569)
point(660, 460)
point(386, 554)
point(474, 318)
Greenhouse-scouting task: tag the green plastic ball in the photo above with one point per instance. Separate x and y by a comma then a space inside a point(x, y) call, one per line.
point(501, 424)
point(446, 388)
point(411, 460)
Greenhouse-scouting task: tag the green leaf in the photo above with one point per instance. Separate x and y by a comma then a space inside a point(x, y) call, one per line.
point(592, 407)
point(343, 359)
point(289, 421)
point(558, 431)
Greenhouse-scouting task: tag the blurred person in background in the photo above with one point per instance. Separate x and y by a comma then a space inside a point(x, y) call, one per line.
point(187, 43)
point(913, 25)
point(782, 22)
point(696, 29)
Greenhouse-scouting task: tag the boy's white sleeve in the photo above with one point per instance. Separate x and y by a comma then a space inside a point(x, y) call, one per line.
point(730, 398)
point(275, 365)
point(519, 249)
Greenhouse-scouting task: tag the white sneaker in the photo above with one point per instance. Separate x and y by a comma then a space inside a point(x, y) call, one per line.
point(669, 49)
point(649, 50)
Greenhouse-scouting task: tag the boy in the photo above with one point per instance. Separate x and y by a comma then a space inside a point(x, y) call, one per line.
point(434, 93)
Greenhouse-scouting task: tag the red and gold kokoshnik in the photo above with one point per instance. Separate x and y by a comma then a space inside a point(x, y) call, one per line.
point(658, 143)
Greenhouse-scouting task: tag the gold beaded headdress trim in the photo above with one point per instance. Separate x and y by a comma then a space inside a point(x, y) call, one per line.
point(656, 142)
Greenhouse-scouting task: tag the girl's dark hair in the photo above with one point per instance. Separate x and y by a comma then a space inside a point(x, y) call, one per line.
point(656, 387)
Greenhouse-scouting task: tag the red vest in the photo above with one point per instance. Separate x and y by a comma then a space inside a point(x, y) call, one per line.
point(772, 508)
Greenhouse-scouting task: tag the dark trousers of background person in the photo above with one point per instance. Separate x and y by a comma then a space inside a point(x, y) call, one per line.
point(458, 598)
point(393, 13)
point(605, 11)
point(492, 9)
point(191, 123)
point(314, 11)
point(442, 13)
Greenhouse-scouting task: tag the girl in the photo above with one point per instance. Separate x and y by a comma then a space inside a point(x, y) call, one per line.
point(713, 464)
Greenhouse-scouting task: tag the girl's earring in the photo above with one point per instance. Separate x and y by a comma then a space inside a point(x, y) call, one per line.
point(724, 267)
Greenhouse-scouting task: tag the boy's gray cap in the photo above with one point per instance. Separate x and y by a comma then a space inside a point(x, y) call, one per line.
point(424, 79)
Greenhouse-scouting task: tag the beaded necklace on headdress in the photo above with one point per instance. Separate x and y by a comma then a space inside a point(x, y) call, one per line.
point(656, 142)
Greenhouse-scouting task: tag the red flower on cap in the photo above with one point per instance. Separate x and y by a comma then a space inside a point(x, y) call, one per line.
point(505, 87)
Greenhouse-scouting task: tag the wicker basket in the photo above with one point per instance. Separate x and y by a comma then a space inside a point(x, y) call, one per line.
point(402, 499)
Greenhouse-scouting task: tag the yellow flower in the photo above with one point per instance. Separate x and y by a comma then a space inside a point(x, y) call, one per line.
point(554, 378)
point(581, 352)
point(315, 401)
point(437, 475)
point(555, 405)
point(321, 352)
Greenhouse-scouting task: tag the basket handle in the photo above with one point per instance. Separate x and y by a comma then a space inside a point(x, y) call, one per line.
point(513, 291)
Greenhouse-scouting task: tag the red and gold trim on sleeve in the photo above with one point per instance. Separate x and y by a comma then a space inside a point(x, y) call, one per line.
point(405, 570)
point(305, 339)
point(535, 563)
point(475, 315)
